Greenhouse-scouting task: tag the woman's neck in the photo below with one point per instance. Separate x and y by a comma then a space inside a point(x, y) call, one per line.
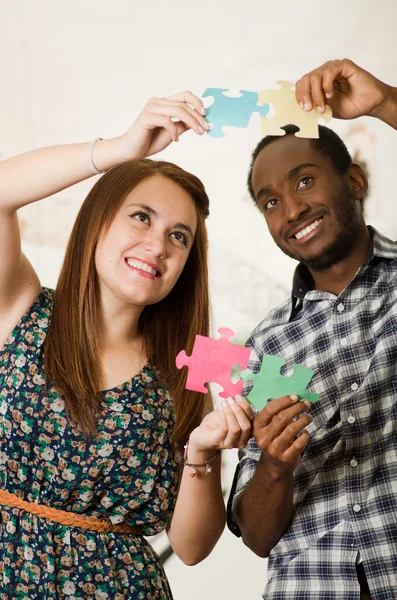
point(119, 326)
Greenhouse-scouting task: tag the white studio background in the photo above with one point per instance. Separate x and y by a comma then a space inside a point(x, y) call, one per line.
point(72, 70)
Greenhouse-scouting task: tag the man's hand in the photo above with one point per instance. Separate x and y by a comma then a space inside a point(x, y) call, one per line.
point(349, 90)
point(279, 431)
point(263, 510)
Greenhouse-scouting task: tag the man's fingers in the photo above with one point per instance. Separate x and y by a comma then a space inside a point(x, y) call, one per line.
point(316, 87)
point(328, 82)
point(287, 436)
point(317, 92)
point(282, 425)
point(287, 403)
point(303, 93)
point(278, 435)
point(295, 450)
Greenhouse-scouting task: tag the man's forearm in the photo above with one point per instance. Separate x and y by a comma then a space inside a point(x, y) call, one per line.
point(388, 111)
point(263, 510)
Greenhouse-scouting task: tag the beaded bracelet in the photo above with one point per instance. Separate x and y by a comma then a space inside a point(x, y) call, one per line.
point(194, 466)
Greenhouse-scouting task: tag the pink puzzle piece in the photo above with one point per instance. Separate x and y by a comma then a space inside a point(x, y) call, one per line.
point(213, 360)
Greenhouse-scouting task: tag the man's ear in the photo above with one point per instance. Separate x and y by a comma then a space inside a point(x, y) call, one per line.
point(357, 181)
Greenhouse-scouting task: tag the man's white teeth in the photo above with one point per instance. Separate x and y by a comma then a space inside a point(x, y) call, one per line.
point(307, 229)
point(142, 266)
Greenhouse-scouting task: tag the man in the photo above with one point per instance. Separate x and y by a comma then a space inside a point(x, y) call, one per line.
point(316, 488)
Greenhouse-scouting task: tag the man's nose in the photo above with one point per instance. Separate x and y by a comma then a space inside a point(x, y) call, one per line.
point(294, 207)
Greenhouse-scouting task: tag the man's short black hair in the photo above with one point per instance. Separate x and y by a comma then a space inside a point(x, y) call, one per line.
point(329, 143)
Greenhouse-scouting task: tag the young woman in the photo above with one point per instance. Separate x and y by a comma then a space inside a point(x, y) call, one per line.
point(93, 412)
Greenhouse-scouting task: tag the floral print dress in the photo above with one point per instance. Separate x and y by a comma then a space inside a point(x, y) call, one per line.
point(128, 474)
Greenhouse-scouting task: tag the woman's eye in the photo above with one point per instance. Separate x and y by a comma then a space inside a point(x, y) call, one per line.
point(180, 237)
point(141, 216)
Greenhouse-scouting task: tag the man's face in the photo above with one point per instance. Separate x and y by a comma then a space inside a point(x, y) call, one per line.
point(308, 207)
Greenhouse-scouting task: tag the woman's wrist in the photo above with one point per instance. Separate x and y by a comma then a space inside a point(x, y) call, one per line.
point(197, 449)
point(109, 153)
point(198, 459)
point(199, 455)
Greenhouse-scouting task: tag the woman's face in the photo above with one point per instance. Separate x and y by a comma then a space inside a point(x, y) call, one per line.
point(141, 256)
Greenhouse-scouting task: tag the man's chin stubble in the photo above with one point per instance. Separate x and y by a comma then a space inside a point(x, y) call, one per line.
point(331, 256)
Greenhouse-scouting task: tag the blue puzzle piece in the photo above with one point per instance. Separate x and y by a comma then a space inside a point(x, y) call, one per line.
point(269, 383)
point(231, 111)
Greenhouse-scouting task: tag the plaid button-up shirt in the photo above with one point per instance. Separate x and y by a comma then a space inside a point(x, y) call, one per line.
point(345, 488)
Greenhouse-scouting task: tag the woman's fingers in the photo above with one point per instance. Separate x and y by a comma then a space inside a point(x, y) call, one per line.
point(183, 107)
point(239, 423)
point(176, 110)
point(160, 121)
point(245, 406)
point(190, 98)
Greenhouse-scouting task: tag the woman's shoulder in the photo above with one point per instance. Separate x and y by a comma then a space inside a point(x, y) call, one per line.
point(34, 323)
point(41, 309)
point(45, 298)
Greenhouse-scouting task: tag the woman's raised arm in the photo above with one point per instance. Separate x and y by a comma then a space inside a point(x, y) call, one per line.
point(35, 175)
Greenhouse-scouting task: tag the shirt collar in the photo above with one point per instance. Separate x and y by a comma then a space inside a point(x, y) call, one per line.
point(381, 247)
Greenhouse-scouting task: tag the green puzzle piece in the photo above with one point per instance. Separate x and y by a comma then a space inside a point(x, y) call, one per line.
point(269, 383)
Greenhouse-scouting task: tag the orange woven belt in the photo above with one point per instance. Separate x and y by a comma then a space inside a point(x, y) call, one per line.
point(64, 517)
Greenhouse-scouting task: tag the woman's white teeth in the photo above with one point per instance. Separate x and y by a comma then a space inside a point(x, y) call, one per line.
point(307, 229)
point(142, 266)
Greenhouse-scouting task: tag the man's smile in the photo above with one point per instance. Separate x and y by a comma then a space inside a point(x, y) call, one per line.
point(305, 231)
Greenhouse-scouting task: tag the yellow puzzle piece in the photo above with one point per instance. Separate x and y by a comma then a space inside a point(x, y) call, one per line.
point(288, 111)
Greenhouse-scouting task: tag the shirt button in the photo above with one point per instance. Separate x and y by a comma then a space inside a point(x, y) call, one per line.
point(356, 508)
point(354, 386)
point(340, 307)
point(343, 342)
point(351, 419)
point(353, 462)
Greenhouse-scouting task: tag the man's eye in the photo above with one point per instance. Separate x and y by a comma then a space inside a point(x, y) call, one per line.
point(270, 203)
point(305, 181)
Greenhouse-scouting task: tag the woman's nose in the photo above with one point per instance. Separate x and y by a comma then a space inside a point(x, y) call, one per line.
point(156, 245)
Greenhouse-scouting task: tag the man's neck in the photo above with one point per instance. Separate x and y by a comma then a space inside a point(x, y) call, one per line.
point(337, 277)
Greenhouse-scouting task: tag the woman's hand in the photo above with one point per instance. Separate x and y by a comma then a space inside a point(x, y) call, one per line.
point(161, 122)
point(227, 427)
point(349, 90)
